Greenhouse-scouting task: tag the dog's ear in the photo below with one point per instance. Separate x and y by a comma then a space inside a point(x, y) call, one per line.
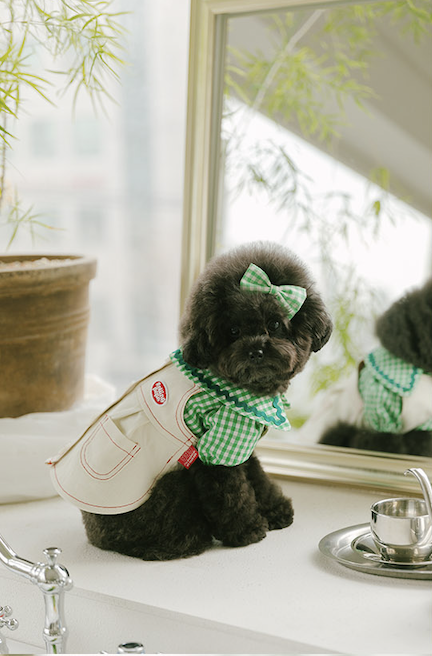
point(196, 349)
point(194, 330)
point(322, 333)
point(320, 323)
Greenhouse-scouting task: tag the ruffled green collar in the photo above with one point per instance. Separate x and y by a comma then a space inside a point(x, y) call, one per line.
point(395, 374)
point(268, 410)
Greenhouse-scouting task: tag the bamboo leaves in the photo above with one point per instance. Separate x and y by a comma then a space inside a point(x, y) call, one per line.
point(83, 40)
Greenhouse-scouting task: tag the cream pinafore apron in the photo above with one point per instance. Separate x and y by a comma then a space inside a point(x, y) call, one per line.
point(112, 467)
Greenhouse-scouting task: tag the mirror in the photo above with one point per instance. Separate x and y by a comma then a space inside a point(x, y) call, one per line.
point(309, 125)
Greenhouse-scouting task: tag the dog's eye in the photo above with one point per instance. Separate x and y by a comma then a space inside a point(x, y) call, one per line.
point(235, 331)
point(273, 326)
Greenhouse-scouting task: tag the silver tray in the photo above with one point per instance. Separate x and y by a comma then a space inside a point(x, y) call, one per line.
point(339, 546)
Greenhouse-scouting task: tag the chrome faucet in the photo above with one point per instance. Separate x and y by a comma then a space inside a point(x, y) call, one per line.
point(53, 580)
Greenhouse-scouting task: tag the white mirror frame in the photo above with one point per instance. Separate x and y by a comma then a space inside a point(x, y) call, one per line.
point(205, 91)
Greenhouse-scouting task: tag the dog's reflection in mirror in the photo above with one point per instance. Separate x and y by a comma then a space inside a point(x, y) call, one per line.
point(386, 405)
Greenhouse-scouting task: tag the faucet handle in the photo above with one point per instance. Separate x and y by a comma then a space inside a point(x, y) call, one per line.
point(52, 554)
point(51, 576)
point(5, 613)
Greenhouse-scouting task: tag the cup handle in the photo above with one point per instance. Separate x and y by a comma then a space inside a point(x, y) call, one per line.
point(365, 551)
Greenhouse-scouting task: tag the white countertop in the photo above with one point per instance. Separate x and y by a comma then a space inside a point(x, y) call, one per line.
point(280, 595)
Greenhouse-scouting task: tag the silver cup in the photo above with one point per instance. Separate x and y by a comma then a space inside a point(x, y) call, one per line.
point(402, 530)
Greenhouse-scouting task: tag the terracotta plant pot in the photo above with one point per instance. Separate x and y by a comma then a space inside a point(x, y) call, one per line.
point(44, 314)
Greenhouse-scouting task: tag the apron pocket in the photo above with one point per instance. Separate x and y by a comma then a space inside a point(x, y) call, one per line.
point(106, 451)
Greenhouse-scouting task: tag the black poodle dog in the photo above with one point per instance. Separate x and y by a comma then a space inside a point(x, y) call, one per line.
point(244, 338)
point(395, 384)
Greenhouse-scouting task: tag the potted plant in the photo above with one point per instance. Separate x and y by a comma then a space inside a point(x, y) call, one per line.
point(44, 306)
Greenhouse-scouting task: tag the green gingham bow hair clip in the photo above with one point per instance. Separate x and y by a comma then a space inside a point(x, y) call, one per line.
point(290, 297)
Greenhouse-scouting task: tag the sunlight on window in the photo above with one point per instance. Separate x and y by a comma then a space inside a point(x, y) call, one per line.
point(86, 137)
point(42, 139)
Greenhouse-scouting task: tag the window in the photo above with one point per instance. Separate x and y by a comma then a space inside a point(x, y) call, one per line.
point(42, 139)
point(86, 137)
point(116, 181)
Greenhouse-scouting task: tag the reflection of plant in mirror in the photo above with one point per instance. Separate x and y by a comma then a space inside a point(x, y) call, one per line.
point(296, 82)
point(82, 33)
point(306, 86)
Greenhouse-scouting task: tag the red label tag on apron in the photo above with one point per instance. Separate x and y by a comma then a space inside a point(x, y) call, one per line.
point(159, 393)
point(188, 457)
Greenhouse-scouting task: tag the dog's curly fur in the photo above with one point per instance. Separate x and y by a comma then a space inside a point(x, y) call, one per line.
point(405, 330)
point(246, 338)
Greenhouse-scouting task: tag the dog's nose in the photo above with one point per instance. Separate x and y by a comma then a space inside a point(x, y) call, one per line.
point(256, 355)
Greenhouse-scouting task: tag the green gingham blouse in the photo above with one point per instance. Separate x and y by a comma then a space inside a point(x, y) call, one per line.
point(383, 382)
point(228, 421)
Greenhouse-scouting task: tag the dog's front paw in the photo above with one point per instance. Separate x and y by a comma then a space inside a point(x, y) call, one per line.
point(252, 532)
point(280, 515)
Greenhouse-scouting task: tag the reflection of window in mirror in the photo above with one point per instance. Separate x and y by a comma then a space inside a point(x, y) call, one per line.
point(327, 148)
